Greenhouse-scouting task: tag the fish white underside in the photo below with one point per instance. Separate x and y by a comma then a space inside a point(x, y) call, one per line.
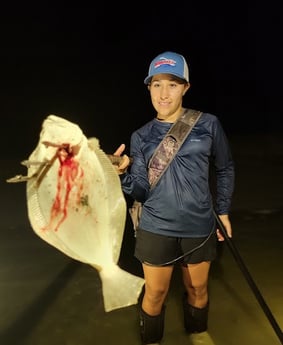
point(80, 209)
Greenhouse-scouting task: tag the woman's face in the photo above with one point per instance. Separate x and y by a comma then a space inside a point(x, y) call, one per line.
point(166, 96)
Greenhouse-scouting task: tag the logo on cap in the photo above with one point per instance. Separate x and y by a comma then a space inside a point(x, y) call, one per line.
point(164, 61)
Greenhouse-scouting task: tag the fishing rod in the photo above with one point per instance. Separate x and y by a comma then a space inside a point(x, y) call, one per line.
point(249, 279)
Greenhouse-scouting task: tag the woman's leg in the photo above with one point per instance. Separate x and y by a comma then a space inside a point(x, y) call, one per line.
point(157, 282)
point(195, 278)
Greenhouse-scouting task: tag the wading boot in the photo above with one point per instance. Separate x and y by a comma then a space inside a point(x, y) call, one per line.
point(195, 319)
point(151, 327)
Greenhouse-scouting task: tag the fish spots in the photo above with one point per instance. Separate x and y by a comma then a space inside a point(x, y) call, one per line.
point(84, 200)
point(68, 190)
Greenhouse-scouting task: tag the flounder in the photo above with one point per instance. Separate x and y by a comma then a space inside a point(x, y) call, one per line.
point(76, 204)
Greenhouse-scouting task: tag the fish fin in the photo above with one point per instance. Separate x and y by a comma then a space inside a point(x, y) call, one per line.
point(116, 203)
point(18, 178)
point(93, 143)
point(120, 288)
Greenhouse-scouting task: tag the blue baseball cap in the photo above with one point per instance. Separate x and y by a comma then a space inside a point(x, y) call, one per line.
point(168, 63)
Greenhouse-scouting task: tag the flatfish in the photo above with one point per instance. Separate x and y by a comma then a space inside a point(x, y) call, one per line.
point(76, 204)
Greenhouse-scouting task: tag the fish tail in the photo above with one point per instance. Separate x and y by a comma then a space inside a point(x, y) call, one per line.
point(119, 287)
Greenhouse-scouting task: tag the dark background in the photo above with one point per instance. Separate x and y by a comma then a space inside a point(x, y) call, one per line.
point(87, 63)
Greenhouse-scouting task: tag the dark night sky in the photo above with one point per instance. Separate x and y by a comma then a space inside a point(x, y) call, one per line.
point(88, 65)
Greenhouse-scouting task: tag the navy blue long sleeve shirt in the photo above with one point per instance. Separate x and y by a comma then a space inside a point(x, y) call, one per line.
point(181, 203)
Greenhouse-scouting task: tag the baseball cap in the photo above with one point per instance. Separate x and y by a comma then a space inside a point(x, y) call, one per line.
point(169, 63)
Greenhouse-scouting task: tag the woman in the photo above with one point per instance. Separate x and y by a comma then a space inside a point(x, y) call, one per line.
point(177, 222)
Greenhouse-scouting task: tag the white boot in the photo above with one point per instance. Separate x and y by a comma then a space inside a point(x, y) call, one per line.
point(202, 338)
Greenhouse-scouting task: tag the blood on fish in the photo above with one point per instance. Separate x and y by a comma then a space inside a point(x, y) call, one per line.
point(69, 176)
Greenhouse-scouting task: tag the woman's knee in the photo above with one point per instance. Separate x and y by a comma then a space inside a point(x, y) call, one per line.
point(153, 301)
point(197, 296)
point(198, 290)
point(155, 295)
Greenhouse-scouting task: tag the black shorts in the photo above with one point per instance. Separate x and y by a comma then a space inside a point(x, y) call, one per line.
point(160, 250)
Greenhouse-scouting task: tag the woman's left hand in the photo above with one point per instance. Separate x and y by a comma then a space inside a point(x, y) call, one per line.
point(228, 227)
point(122, 167)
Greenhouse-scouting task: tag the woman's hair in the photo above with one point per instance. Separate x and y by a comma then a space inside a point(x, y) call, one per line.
point(176, 79)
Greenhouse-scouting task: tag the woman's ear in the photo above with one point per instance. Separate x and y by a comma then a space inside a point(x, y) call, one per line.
point(187, 86)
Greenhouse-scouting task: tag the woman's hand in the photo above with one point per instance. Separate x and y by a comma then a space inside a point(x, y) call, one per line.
point(123, 164)
point(227, 225)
